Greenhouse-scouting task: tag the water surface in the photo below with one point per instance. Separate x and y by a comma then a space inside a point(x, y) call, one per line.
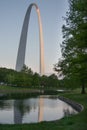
point(29, 110)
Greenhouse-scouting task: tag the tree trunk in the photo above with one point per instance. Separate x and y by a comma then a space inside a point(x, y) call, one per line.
point(83, 89)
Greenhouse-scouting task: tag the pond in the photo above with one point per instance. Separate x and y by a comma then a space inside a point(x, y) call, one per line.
point(31, 110)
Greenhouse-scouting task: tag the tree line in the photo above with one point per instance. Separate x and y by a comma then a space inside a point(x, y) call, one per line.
point(27, 78)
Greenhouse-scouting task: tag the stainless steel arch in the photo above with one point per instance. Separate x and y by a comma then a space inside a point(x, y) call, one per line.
point(23, 40)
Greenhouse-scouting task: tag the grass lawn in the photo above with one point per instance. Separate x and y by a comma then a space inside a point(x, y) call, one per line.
point(15, 90)
point(75, 122)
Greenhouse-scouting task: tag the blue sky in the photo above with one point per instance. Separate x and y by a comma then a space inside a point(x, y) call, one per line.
point(12, 14)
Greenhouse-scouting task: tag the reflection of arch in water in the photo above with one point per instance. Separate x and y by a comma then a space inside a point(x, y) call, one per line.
point(20, 109)
point(40, 111)
point(17, 113)
point(23, 39)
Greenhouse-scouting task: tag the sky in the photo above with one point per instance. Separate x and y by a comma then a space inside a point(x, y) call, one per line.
point(12, 13)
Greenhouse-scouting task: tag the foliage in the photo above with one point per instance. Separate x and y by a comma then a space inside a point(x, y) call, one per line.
point(26, 78)
point(27, 70)
point(74, 46)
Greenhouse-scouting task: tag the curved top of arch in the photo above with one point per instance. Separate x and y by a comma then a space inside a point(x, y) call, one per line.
point(34, 4)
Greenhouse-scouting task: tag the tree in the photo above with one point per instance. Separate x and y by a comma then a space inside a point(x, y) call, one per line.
point(27, 70)
point(36, 80)
point(74, 45)
point(10, 78)
point(53, 81)
point(44, 81)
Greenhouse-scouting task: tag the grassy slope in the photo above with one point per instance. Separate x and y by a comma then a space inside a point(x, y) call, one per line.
point(76, 122)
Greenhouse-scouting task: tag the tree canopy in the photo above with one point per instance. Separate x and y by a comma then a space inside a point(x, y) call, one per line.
point(74, 46)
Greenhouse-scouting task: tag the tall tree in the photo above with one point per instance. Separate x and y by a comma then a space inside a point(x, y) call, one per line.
point(74, 45)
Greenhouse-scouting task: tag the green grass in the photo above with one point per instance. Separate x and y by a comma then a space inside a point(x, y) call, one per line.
point(17, 92)
point(75, 122)
point(12, 90)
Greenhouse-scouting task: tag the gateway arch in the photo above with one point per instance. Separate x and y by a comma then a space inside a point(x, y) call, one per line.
point(23, 40)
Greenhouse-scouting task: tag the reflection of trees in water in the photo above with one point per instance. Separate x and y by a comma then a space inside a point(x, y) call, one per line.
point(19, 110)
point(21, 107)
point(2, 104)
point(33, 103)
point(25, 108)
point(68, 112)
point(20, 104)
point(6, 104)
point(53, 97)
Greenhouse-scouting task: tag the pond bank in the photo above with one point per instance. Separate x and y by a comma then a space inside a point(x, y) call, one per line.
point(74, 104)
